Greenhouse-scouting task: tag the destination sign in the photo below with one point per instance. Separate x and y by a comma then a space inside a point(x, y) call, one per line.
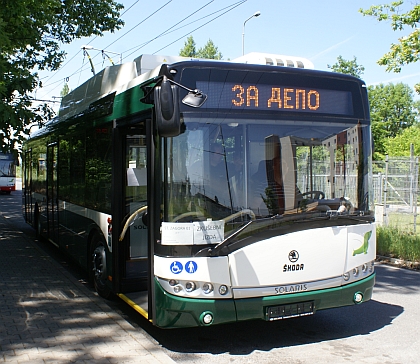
point(266, 97)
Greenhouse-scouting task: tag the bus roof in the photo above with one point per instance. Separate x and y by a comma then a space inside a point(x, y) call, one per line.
point(119, 78)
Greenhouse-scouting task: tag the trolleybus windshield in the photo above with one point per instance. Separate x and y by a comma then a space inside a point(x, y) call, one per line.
point(223, 172)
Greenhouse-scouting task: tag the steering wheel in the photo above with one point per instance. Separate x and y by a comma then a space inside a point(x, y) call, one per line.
point(315, 195)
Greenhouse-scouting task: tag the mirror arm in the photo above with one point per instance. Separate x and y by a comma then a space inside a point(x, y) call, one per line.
point(148, 90)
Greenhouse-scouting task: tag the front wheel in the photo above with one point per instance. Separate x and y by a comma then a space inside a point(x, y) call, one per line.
point(99, 271)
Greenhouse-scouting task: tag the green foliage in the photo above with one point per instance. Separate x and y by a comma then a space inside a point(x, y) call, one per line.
point(30, 36)
point(393, 242)
point(347, 67)
point(209, 51)
point(392, 109)
point(65, 91)
point(189, 48)
point(400, 145)
point(407, 50)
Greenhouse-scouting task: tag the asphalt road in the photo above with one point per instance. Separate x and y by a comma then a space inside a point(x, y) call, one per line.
point(383, 330)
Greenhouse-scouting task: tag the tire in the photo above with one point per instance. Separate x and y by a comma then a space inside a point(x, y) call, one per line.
point(98, 266)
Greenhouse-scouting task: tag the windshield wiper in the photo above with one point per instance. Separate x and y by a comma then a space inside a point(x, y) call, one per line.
point(216, 250)
point(213, 251)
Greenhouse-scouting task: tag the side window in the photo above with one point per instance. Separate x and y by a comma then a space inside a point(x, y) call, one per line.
point(64, 169)
point(98, 169)
point(77, 168)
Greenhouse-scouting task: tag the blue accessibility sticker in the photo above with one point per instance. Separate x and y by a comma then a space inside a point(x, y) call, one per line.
point(191, 266)
point(176, 267)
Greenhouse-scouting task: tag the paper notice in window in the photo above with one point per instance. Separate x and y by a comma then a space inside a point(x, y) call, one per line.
point(208, 232)
point(177, 233)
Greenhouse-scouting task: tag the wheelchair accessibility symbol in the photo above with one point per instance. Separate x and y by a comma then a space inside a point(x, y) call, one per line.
point(176, 267)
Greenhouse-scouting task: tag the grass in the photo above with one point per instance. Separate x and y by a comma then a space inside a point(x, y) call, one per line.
point(404, 221)
point(396, 243)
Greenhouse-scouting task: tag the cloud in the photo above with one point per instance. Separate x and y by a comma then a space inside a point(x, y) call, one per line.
point(325, 51)
point(395, 79)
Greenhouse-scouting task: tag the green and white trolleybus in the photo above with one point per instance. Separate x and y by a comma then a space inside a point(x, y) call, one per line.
point(206, 192)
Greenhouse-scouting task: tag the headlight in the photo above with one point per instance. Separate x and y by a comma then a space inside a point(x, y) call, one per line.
point(207, 288)
point(223, 289)
point(196, 289)
point(190, 286)
point(173, 282)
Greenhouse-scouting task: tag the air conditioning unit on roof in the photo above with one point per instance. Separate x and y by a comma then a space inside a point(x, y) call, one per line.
point(275, 60)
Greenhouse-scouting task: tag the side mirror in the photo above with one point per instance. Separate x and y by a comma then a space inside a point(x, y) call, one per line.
point(194, 98)
point(168, 118)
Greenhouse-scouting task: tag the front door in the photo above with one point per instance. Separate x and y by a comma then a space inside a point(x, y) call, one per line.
point(131, 184)
point(136, 199)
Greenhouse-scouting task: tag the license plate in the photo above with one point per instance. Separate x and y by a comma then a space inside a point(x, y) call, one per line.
point(291, 310)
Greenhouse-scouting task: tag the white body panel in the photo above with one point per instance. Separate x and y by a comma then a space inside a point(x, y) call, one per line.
point(297, 262)
point(322, 255)
point(7, 181)
point(215, 269)
point(356, 237)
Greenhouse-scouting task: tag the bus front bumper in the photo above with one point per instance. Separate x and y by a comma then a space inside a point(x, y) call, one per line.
point(176, 312)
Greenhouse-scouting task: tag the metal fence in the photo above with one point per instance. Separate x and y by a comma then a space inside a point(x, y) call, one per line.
point(395, 187)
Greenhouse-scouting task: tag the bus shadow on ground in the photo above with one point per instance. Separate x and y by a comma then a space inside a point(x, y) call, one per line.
point(245, 337)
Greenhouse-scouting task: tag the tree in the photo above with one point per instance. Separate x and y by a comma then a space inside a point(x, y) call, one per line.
point(209, 51)
point(407, 49)
point(347, 67)
point(65, 91)
point(392, 110)
point(189, 48)
point(401, 144)
point(30, 36)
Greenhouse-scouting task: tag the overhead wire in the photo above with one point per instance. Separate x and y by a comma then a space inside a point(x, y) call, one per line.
point(78, 53)
point(139, 23)
point(166, 32)
point(206, 16)
point(142, 21)
point(176, 40)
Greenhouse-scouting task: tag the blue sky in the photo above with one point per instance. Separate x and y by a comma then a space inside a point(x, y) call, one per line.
point(318, 30)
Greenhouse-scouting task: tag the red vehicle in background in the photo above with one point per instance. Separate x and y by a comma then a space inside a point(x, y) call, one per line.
point(7, 173)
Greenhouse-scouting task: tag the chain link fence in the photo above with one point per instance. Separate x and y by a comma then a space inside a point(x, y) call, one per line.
point(395, 188)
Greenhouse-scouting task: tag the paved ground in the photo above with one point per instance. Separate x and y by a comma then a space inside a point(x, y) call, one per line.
point(47, 316)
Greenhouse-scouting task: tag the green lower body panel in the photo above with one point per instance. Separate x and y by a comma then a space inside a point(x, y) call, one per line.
point(176, 312)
